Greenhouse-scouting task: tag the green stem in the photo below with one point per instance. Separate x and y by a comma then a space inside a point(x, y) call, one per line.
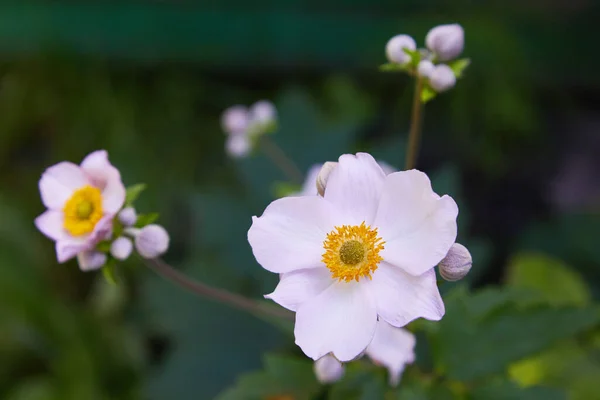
point(414, 135)
point(281, 160)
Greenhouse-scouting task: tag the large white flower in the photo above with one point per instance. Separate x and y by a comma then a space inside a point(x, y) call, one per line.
point(82, 201)
point(365, 251)
point(393, 348)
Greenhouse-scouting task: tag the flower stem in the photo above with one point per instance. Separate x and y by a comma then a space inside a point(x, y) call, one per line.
point(414, 136)
point(281, 160)
point(219, 295)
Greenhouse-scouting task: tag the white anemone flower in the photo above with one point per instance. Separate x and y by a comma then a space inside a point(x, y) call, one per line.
point(392, 348)
point(82, 201)
point(364, 251)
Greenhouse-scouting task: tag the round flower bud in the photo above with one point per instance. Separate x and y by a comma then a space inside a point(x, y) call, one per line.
point(425, 68)
point(128, 216)
point(151, 241)
point(238, 145)
point(324, 176)
point(457, 263)
point(235, 119)
point(442, 78)
point(90, 260)
point(263, 112)
point(394, 49)
point(121, 248)
point(328, 369)
point(446, 41)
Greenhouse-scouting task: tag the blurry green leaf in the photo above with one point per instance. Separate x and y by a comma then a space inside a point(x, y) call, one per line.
point(284, 189)
point(33, 389)
point(133, 192)
point(415, 56)
point(552, 280)
point(146, 219)
point(458, 66)
point(418, 389)
point(394, 67)
point(427, 94)
point(509, 391)
point(109, 271)
point(360, 382)
point(104, 246)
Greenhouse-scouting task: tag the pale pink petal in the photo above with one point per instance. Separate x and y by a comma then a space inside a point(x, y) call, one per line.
point(50, 223)
point(91, 260)
point(68, 248)
point(309, 187)
point(354, 188)
point(290, 233)
point(401, 297)
point(300, 286)
point(59, 182)
point(417, 225)
point(107, 178)
point(393, 348)
point(341, 320)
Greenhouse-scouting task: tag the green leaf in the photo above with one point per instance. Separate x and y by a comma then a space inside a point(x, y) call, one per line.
point(394, 67)
point(415, 57)
point(549, 278)
point(109, 271)
point(458, 66)
point(104, 246)
point(360, 382)
point(284, 189)
point(427, 94)
point(505, 390)
point(146, 219)
point(133, 192)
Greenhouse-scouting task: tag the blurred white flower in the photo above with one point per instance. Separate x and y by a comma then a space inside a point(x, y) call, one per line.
point(328, 369)
point(121, 248)
point(457, 263)
point(446, 41)
point(91, 260)
point(442, 78)
point(243, 127)
point(128, 216)
point(394, 49)
point(425, 68)
point(82, 201)
point(151, 241)
point(238, 145)
point(235, 119)
point(262, 112)
point(393, 348)
point(365, 251)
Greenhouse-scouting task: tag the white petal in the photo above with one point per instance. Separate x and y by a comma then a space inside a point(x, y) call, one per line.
point(297, 287)
point(59, 182)
point(354, 187)
point(417, 225)
point(401, 297)
point(91, 260)
point(238, 145)
point(50, 223)
point(290, 233)
point(69, 248)
point(341, 320)
point(393, 348)
point(107, 178)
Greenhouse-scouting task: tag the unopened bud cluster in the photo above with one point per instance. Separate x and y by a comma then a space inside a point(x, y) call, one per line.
point(457, 263)
point(245, 125)
point(436, 64)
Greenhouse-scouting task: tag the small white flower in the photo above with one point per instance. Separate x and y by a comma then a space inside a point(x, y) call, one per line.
point(235, 120)
point(442, 78)
point(425, 68)
point(446, 41)
point(394, 49)
point(393, 348)
point(121, 248)
point(238, 145)
point(128, 216)
point(151, 241)
point(263, 112)
point(364, 251)
point(457, 263)
point(90, 260)
point(82, 201)
point(328, 369)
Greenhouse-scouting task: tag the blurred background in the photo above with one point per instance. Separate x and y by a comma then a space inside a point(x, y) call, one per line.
point(516, 143)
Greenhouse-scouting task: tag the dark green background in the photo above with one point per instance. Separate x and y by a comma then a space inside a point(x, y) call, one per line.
point(515, 143)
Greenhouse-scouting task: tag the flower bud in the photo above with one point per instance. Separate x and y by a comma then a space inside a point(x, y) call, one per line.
point(235, 119)
point(151, 241)
point(263, 112)
point(324, 176)
point(425, 68)
point(90, 260)
point(394, 49)
point(457, 263)
point(238, 145)
point(446, 41)
point(128, 216)
point(442, 78)
point(328, 369)
point(121, 248)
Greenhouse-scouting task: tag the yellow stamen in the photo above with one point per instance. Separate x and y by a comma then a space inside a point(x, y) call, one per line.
point(352, 251)
point(83, 210)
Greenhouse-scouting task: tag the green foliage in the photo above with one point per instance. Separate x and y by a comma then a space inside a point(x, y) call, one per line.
point(458, 66)
point(133, 192)
point(146, 219)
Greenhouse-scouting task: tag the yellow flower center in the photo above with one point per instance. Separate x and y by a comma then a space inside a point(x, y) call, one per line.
point(83, 210)
point(352, 251)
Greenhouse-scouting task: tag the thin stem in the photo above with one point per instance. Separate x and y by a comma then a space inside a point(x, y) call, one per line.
point(414, 136)
point(281, 160)
point(219, 295)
